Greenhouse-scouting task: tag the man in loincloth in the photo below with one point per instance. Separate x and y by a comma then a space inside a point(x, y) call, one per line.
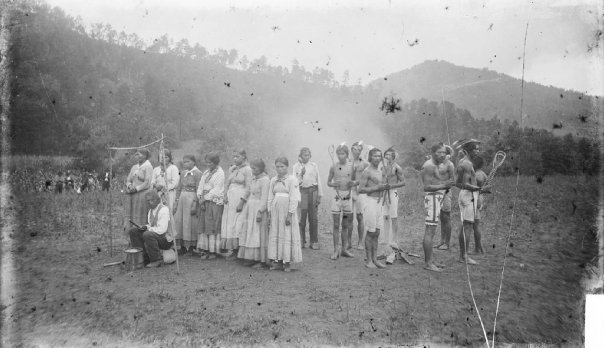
point(435, 189)
point(358, 165)
point(468, 195)
point(481, 180)
point(340, 178)
point(311, 192)
point(446, 171)
point(394, 178)
point(372, 182)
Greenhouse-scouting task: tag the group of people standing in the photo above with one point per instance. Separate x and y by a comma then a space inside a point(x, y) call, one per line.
point(243, 212)
point(247, 215)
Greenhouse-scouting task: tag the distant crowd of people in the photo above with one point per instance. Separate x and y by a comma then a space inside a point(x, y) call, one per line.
point(77, 181)
point(246, 214)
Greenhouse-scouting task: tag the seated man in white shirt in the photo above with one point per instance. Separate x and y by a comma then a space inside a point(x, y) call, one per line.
point(154, 236)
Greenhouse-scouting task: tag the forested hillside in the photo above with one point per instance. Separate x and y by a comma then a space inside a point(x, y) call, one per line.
point(77, 90)
point(488, 94)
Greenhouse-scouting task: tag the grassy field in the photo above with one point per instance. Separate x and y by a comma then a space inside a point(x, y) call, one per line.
point(66, 298)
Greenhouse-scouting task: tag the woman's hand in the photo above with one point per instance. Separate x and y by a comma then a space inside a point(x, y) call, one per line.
point(239, 207)
point(258, 217)
point(288, 219)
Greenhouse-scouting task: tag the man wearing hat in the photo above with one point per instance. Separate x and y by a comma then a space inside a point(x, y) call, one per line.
point(311, 192)
point(154, 236)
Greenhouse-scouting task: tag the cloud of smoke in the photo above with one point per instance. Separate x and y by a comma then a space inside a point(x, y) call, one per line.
point(319, 123)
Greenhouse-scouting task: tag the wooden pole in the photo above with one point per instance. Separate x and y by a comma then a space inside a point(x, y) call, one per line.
point(110, 206)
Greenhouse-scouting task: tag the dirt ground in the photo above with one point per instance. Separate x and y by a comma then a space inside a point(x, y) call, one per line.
point(65, 297)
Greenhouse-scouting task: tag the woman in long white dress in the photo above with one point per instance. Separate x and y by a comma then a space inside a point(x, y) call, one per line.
point(254, 241)
point(284, 236)
point(237, 191)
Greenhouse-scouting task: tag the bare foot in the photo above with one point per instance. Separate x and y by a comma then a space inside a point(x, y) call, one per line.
point(346, 253)
point(286, 268)
point(360, 247)
point(378, 264)
point(432, 267)
point(468, 260)
point(335, 255)
point(438, 245)
point(443, 247)
point(370, 265)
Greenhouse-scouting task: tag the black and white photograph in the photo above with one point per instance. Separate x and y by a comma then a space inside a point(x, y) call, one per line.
point(294, 173)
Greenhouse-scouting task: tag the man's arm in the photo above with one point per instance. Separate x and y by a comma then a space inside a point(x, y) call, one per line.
point(319, 186)
point(163, 217)
point(400, 179)
point(464, 177)
point(330, 178)
point(365, 187)
point(451, 172)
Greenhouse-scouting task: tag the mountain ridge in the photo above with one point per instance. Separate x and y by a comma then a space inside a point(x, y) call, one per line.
point(489, 94)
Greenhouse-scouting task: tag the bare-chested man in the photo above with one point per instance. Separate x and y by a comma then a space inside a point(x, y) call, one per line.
point(340, 178)
point(446, 171)
point(481, 180)
point(435, 189)
point(394, 178)
point(372, 183)
point(358, 199)
point(468, 196)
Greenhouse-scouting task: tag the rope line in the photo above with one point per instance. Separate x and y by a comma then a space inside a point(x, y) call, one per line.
point(137, 147)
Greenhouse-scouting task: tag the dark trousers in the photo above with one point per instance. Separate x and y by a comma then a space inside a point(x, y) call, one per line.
point(106, 186)
point(150, 242)
point(308, 209)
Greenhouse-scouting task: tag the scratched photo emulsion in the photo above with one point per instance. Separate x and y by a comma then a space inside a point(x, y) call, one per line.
point(301, 174)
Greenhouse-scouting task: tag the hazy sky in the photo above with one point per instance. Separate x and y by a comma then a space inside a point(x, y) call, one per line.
point(371, 38)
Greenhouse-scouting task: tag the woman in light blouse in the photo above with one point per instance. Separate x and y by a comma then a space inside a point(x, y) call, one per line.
point(185, 205)
point(165, 180)
point(137, 184)
point(284, 234)
point(210, 194)
point(237, 191)
point(253, 242)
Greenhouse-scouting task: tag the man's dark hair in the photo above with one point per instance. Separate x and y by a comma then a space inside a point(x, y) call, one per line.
point(436, 147)
point(372, 151)
point(469, 147)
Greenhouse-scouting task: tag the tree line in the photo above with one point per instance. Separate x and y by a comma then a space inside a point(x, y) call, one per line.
point(76, 90)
